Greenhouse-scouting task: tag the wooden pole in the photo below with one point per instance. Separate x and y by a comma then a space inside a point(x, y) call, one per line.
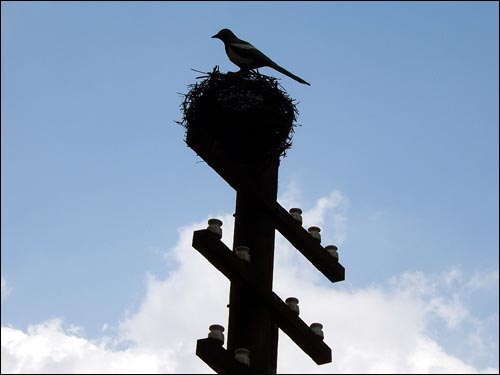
point(250, 325)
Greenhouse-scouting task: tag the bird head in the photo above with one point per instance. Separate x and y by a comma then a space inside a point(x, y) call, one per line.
point(225, 35)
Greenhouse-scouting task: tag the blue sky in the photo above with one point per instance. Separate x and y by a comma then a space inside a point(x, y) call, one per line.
point(398, 135)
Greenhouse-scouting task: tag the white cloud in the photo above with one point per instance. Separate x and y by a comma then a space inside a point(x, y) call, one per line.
point(483, 280)
point(335, 204)
point(48, 348)
point(292, 196)
point(447, 305)
point(5, 291)
point(378, 329)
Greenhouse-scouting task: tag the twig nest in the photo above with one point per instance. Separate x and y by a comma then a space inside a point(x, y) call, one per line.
point(246, 115)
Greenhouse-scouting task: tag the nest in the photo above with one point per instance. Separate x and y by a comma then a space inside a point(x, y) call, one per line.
point(247, 115)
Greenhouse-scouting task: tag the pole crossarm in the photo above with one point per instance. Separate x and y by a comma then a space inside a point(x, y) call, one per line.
point(238, 271)
point(234, 175)
point(219, 359)
point(305, 243)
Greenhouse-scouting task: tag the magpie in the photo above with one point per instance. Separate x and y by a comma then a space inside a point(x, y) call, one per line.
point(247, 56)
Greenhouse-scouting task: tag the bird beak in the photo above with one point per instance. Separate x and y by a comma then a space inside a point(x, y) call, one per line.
point(215, 36)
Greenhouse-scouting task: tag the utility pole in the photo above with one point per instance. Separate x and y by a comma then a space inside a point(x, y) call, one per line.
point(240, 126)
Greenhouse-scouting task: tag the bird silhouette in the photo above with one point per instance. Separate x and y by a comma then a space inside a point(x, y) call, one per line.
point(247, 56)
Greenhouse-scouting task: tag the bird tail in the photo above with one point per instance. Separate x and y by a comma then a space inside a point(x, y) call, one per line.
point(287, 73)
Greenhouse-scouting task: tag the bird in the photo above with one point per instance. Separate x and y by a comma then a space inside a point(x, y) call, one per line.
point(248, 57)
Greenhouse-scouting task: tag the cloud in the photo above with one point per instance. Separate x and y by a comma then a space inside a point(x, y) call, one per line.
point(335, 204)
point(5, 290)
point(383, 328)
point(380, 328)
point(483, 280)
point(447, 304)
point(48, 348)
point(374, 329)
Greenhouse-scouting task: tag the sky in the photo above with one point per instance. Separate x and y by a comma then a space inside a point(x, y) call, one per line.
point(395, 157)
